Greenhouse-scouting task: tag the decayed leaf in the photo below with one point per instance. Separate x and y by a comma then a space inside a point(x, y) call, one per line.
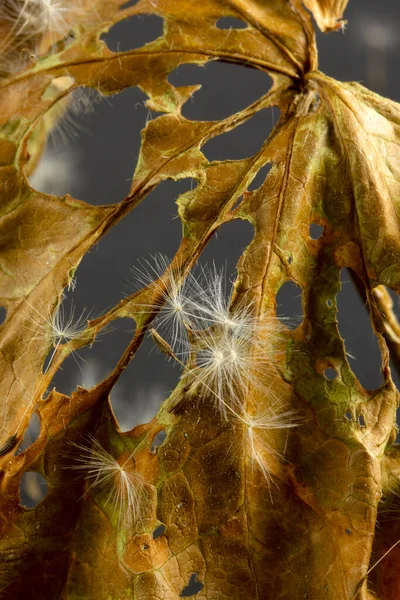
point(290, 517)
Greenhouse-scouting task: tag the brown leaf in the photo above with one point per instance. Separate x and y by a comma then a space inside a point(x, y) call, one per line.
point(277, 495)
point(328, 13)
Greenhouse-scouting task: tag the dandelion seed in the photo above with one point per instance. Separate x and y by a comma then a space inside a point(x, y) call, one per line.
point(33, 18)
point(119, 485)
point(230, 365)
point(52, 15)
point(259, 442)
point(228, 347)
point(196, 304)
point(175, 308)
point(57, 328)
point(72, 284)
point(213, 304)
point(31, 28)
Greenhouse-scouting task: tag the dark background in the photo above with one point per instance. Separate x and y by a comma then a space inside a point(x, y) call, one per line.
point(93, 156)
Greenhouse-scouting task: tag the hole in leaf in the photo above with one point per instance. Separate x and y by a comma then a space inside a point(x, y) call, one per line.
point(225, 89)
point(242, 141)
point(290, 259)
point(62, 124)
point(289, 308)
point(145, 547)
point(348, 415)
point(133, 32)
point(54, 172)
point(330, 374)
point(3, 314)
point(97, 159)
point(103, 277)
point(90, 365)
point(361, 421)
point(226, 247)
point(192, 588)
point(143, 399)
point(137, 396)
point(159, 531)
point(33, 489)
point(74, 114)
point(158, 440)
point(231, 23)
point(236, 204)
point(355, 328)
point(128, 4)
point(260, 177)
point(329, 303)
point(31, 434)
point(316, 231)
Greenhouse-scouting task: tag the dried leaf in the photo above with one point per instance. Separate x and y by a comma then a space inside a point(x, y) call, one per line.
point(328, 13)
point(293, 515)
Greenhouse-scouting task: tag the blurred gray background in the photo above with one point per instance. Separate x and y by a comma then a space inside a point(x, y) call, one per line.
point(92, 157)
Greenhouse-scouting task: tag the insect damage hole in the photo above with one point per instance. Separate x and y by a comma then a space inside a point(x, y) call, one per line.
point(348, 415)
point(354, 323)
point(226, 246)
point(260, 178)
point(131, 238)
point(133, 32)
point(244, 140)
point(33, 489)
point(361, 421)
point(82, 143)
point(237, 203)
point(158, 440)
point(159, 531)
point(136, 398)
point(31, 434)
point(289, 308)
point(3, 314)
point(330, 374)
point(219, 81)
point(128, 4)
point(193, 587)
point(231, 23)
point(89, 365)
point(316, 231)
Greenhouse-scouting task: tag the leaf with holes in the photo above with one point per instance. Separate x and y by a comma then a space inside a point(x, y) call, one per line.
point(261, 475)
